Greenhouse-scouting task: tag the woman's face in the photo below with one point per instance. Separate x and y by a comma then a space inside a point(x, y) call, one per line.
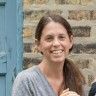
point(55, 42)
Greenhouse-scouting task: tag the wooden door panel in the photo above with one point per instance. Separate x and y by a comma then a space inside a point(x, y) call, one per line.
point(2, 38)
point(11, 46)
point(2, 85)
point(3, 56)
point(3, 62)
point(2, 74)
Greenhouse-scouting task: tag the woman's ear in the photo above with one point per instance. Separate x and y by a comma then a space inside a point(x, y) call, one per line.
point(37, 44)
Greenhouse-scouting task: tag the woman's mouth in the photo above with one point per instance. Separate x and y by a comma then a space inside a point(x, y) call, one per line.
point(57, 51)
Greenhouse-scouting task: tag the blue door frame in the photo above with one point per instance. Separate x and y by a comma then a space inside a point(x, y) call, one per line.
point(11, 43)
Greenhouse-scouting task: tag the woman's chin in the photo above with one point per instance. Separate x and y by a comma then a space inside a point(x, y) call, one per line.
point(58, 60)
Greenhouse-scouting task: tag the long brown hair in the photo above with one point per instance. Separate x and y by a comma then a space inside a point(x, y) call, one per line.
point(73, 77)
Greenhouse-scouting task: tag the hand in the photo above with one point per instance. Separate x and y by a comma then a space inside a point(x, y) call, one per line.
point(69, 93)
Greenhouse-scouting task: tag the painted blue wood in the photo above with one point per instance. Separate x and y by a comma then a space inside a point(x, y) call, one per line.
point(2, 85)
point(11, 43)
point(3, 62)
point(14, 41)
point(3, 59)
point(2, 2)
point(20, 48)
point(3, 71)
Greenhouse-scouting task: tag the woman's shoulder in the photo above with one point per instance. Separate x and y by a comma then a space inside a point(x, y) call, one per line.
point(24, 81)
point(27, 73)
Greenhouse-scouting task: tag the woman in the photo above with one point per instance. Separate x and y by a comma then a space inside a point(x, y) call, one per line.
point(55, 75)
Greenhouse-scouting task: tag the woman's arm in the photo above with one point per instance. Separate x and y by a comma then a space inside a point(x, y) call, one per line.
point(92, 91)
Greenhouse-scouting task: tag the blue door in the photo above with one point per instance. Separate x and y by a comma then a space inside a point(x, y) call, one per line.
point(10, 43)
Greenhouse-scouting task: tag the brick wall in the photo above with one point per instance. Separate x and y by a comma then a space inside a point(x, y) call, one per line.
point(81, 14)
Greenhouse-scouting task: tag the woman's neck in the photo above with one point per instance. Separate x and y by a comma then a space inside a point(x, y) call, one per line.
point(54, 75)
point(52, 70)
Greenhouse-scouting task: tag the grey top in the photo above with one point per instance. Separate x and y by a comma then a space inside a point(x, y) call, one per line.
point(32, 82)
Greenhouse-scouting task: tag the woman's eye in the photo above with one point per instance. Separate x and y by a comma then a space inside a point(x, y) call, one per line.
point(49, 39)
point(61, 37)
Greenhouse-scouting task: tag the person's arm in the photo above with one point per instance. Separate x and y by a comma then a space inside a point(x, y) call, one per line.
point(92, 91)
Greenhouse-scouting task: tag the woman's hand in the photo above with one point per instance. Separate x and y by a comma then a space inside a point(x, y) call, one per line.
point(69, 93)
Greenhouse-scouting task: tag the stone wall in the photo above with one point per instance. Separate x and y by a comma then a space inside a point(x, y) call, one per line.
point(81, 14)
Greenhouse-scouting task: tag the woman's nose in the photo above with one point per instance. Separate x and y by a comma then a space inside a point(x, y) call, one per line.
point(56, 42)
